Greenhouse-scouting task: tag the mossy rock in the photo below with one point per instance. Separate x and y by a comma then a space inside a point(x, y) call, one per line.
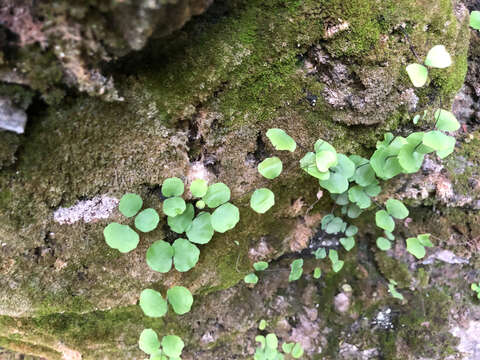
point(202, 100)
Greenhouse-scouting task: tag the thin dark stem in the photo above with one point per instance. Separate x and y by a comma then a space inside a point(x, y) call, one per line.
point(412, 48)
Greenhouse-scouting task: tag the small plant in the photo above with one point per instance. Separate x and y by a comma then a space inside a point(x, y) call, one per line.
point(123, 237)
point(393, 291)
point(170, 348)
point(262, 200)
point(270, 168)
point(268, 348)
point(416, 245)
point(437, 57)
point(253, 278)
point(337, 264)
point(476, 288)
point(154, 305)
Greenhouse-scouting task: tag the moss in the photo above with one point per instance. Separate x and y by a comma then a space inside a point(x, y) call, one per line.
point(425, 325)
point(393, 269)
point(29, 349)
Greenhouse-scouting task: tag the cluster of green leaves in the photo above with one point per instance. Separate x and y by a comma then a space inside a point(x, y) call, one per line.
point(154, 305)
point(384, 219)
point(351, 182)
point(170, 348)
point(437, 57)
point(268, 348)
point(416, 245)
point(252, 278)
point(123, 237)
point(199, 229)
point(263, 199)
point(476, 288)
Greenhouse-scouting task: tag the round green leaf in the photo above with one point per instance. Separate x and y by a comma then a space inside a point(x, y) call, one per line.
point(270, 167)
point(333, 226)
point(262, 325)
point(287, 347)
point(424, 239)
point(201, 230)
point(357, 195)
point(351, 230)
point(353, 211)
point(251, 278)
point(348, 242)
point(437, 140)
point(475, 19)
point(271, 341)
point(180, 223)
point(296, 270)
point(262, 200)
point(323, 145)
point(297, 351)
point(159, 256)
point(225, 218)
point(260, 265)
point(383, 244)
point(172, 187)
point(415, 248)
point(217, 194)
point(174, 206)
point(325, 160)
point(317, 273)
point(345, 166)
point(172, 346)
point(410, 160)
point(418, 74)
point(130, 204)
point(152, 303)
point(446, 121)
point(384, 220)
point(364, 174)
point(308, 164)
point(200, 204)
point(340, 199)
point(148, 341)
point(281, 140)
point(186, 255)
point(198, 188)
point(373, 189)
point(147, 220)
point(121, 237)
point(449, 147)
point(336, 183)
point(438, 57)
point(180, 298)
point(337, 266)
point(260, 339)
point(320, 253)
point(396, 209)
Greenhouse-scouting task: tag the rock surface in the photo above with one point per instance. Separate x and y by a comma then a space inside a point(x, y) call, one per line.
point(198, 102)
